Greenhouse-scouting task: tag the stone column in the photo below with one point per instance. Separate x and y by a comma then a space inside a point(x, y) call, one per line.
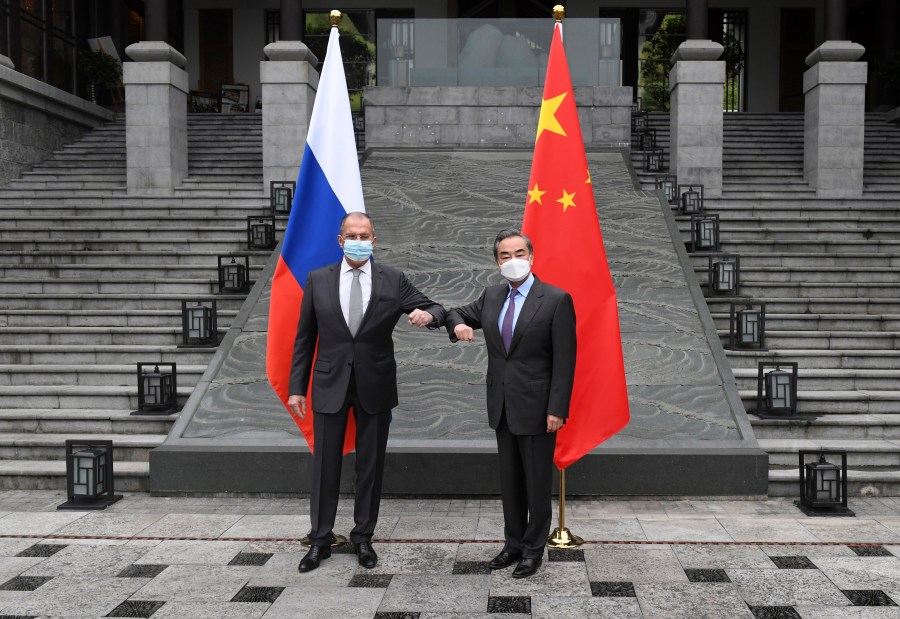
point(836, 20)
point(696, 84)
point(289, 81)
point(291, 26)
point(156, 87)
point(834, 122)
point(156, 20)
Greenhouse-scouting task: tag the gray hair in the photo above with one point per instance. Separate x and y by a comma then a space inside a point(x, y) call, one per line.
point(356, 214)
point(508, 234)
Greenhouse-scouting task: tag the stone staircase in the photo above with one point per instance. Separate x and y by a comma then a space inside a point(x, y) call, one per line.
point(91, 283)
point(827, 270)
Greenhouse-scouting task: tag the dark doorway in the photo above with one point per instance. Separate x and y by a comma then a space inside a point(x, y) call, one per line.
point(216, 52)
point(798, 39)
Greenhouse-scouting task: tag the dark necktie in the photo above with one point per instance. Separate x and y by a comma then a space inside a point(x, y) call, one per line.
point(506, 331)
point(355, 309)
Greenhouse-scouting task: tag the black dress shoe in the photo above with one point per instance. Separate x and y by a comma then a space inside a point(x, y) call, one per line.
point(313, 558)
point(366, 554)
point(527, 567)
point(504, 559)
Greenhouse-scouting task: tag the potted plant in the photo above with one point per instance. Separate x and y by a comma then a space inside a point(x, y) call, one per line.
point(100, 69)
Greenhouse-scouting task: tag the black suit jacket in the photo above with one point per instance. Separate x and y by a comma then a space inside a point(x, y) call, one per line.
point(370, 354)
point(535, 378)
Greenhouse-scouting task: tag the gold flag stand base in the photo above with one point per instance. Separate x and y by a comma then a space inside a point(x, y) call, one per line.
point(561, 537)
point(336, 540)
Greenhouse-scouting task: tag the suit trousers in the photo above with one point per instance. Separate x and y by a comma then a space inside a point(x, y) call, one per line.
point(371, 442)
point(526, 485)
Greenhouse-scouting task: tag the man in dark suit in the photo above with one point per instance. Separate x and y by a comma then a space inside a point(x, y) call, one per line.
point(529, 329)
point(350, 310)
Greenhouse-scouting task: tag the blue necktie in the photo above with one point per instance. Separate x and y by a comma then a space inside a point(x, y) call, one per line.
point(506, 331)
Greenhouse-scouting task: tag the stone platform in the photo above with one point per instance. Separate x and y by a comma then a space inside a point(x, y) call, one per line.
point(436, 214)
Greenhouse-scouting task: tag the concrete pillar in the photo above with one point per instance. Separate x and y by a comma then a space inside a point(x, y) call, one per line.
point(156, 87)
point(697, 19)
point(291, 26)
point(835, 20)
point(834, 122)
point(696, 87)
point(156, 20)
point(289, 81)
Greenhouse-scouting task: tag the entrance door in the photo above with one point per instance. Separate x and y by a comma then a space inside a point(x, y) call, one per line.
point(798, 39)
point(216, 53)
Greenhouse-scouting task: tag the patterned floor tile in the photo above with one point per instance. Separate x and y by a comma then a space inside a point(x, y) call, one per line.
point(509, 604)
point(24, 583)
point(774, 612)
point(41, 550)
point(710, 600)
point(135, 608)
point(612, 589)
point(257, 594)
point(706, 575)
point(151, 570)
point(793, 563)
point(869, 597)
point(375, 581)
point(572, 555)
point(871, 551)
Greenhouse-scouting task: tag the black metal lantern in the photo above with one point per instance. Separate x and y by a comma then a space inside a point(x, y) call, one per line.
point(669, 184)
point(691, 198)
point(653, 159)
point(646, 139)
point(747, 325)
point(636, 105)
point(639, 121)
point(281, 195)
point(89, 475)
point(776, 390)
point(234, 275)
point(199, 324)
point(157, 389)
point(823, 485)
point(261, 232)
point(724, 275)
point(704, 233)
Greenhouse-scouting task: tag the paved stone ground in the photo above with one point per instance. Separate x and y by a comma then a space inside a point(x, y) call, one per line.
point(237, 557)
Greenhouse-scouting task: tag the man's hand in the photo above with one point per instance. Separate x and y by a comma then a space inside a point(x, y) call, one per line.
point(420, 318)
point(297, 404)
point(464, 333)
point(554, 423)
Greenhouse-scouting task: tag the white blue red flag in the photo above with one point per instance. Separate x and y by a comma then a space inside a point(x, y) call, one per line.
point(328, 187)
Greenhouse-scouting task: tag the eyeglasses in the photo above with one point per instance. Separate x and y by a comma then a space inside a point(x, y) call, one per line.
point(357, 237)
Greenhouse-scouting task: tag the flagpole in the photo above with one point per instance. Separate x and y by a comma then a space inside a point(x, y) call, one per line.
point(561, 537)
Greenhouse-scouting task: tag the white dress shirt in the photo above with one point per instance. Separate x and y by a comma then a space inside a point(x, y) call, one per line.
point(365, 283)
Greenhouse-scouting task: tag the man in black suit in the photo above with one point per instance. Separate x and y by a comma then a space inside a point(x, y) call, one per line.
point(350, 310)
point(529, 329)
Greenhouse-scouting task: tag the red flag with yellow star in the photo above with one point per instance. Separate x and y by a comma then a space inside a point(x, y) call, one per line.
point(561, 220)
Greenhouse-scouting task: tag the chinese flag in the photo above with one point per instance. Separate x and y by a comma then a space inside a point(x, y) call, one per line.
point(561, 220)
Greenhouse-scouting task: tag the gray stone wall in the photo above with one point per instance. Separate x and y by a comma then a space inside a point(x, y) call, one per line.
point(37, 119)
point(486, 117)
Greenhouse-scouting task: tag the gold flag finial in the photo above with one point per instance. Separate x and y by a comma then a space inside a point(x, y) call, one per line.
point(336, 18)
point(559, 12)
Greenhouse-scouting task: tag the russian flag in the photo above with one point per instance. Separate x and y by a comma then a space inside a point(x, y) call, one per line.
point(328, 187)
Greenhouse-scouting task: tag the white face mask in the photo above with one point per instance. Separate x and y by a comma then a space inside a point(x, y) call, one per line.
point(515, 269)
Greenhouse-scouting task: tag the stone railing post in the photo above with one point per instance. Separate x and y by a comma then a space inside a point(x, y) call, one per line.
point(156, 87)
point(834, 121)
point(696, 91)
point(289, 81)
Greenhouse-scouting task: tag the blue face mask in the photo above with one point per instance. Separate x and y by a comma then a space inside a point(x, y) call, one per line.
point(358, 251)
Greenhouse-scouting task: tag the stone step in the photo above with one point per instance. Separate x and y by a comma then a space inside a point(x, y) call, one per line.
point(232, 244)
point(841, 379)
point(228, 231)
point(146, 272)
point(52, 447)
point(846, 260)
point(51, 475)
point(827, 340)
point(780, 221)
point(809, 274)
point(161, 207)
point(886, 482)
point(822, 322)
point(813, 290)
point(72, 176)
point(86, 375)
point(860, 452)
point(848, 401)
point(817, 358)
point(82, 420)
point(820, 305)
point(124, 257)
point(829, 427)
point(131, 301)
point(102, 355)
point(198, 286)
point(168, 335)
point(117, 185)
point(121, 317)
point(76, 396)
point(825, 246)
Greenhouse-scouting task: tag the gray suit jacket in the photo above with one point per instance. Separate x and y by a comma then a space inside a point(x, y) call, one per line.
point(370, 354)
point(535, 378)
